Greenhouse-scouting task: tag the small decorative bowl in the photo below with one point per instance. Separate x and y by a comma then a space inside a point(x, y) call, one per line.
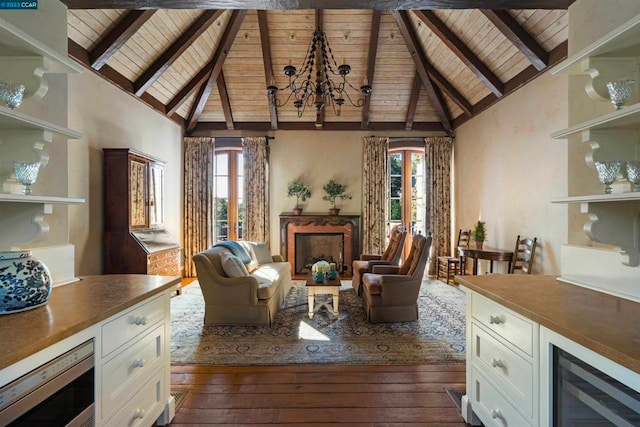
point(620, 91)
point(26, 174)
point(608, 172)
point(11, 94)
point(633, 173)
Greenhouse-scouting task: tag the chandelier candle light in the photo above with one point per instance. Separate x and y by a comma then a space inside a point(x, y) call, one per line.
point(313, 85)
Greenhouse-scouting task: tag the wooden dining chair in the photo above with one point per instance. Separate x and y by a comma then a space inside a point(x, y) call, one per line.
point(524, 255)
point(449, 266)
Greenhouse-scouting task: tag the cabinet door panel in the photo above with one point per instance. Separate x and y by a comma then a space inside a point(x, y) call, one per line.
point(137, 201)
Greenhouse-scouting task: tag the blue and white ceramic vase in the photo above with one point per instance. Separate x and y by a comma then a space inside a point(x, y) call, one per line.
point(25, 282)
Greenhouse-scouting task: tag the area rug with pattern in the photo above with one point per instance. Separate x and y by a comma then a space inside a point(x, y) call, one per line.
point(437, 337)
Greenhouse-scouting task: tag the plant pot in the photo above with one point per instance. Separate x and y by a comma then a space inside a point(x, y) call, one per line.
point(479, 244)
point(25, 282)
point(334, 211)
point(297, 211)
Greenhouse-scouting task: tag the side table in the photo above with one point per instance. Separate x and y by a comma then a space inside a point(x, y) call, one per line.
point(328, 287)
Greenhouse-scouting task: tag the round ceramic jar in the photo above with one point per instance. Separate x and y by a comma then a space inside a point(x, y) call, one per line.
point(25, 282)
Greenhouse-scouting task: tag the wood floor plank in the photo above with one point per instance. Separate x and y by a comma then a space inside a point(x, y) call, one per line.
point(318, 396)
point(318, 400)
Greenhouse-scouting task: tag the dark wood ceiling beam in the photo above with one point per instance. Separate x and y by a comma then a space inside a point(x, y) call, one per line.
point(517, 35)
point(318, 4)
point(413, 102)
point(209, 73)
point(268, 66)
point(178, 47)
point(224, 99)
point(320, 112)
point(423, 68)
point(419, 58)
point(80, 55)
point(118, 36)
point(203, 127)
point(448, 37)
point(527, 75)
point(371, 62)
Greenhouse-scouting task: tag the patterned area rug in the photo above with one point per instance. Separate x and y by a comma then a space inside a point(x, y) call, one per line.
point(437, 337)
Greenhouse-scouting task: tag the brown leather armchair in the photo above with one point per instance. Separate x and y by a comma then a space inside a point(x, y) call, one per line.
point(391, 256)
point(390, 294)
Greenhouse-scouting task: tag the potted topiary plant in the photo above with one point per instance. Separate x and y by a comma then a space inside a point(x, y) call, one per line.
point(479, 233)
point(334, 191)
point(302, 193)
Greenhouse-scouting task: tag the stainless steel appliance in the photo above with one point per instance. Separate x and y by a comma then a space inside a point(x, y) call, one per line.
point(585, 396)
point(58, 393)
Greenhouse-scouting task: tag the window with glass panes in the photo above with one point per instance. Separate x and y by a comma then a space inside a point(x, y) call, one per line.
point(229, 207)
point(407, 201)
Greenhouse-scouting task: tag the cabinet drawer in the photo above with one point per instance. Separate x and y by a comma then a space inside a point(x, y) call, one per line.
point(490, 406)
point(133, 366)
point(510, 371)
point(131, 324)
point(157, 256)
point(504, 322)
point(162, 265)
point(173, 270)
point(143, 408)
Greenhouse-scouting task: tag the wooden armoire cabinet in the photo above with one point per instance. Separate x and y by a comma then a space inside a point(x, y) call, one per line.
point(135, 240)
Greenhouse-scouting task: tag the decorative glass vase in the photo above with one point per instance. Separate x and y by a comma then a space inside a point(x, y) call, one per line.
point(608, 172)
point(26, 173)
point(11, 94)
point(25, 282)
point(620, 91)
point(633, 173)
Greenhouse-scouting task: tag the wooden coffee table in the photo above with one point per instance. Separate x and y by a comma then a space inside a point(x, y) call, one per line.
point(328, 287)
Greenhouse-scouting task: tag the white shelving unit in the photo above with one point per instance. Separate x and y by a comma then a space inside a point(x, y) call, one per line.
point(613, 218)
point(26, 60)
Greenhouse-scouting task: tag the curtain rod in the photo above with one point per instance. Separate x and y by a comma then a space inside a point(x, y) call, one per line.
point(240, 137)
point(405, 138)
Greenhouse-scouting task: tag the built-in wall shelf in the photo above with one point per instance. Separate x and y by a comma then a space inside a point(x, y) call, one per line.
point(599, 198)
point(621, 42)
point(627, 118)
point(15, 120)
point(16, 42)
point(22, 198)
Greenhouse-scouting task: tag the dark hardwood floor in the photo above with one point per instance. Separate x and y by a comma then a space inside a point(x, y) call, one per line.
point(309, 396)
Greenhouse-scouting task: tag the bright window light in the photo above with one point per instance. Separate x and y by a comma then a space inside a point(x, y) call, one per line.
point(307, 332)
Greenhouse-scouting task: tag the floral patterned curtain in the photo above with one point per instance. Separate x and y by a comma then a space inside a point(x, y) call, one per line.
point(375, 194)
point(256, 189)
point(438, 152)
point(198, 199)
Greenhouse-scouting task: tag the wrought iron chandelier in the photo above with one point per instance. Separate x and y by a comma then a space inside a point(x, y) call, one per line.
point(314, 84)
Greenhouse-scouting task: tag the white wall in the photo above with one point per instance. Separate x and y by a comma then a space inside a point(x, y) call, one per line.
point(507, 168)
point(110, 118)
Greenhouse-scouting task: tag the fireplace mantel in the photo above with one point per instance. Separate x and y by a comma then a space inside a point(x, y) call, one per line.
point(316, 223)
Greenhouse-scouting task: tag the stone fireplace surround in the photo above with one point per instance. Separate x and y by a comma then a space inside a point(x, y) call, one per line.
point(318, 224)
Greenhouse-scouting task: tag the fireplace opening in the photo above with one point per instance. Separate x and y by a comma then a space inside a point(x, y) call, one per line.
point(313, 247)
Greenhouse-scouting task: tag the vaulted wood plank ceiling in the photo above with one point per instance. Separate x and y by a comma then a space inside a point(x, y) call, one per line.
point(206, 64)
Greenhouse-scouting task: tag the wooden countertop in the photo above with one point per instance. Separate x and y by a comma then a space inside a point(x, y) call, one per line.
point(603, 323)
point(73, 308)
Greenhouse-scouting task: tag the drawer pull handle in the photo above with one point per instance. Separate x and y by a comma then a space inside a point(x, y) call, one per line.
point(138, 363)
point(496, 320)
point(139, 413)
point(140, 320)
point(495, 414)
point(497, 363)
